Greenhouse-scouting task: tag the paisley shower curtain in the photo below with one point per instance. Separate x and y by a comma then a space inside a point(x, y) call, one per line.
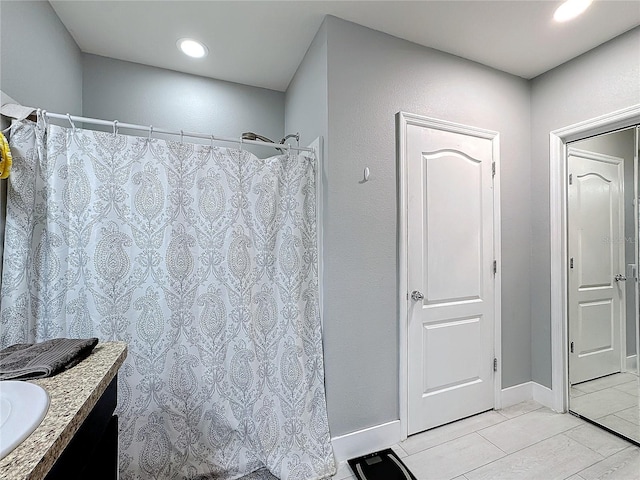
point(204, 260)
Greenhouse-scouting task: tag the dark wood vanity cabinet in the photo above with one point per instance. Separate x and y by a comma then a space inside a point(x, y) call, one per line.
point(93, 451)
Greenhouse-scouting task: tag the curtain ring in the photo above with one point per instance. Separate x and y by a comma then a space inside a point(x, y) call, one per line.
point(44, 118)
point(115, 127)
point(71, 122)
point(150, 132)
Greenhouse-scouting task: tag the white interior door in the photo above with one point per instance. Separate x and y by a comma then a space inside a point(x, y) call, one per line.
point(596, 255)
point(450, 261)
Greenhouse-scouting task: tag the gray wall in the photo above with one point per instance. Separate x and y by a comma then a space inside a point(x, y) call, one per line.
point(598, 82)
point(41, 65)
point(622, 144)
point(305, 107)
point(372, 76)
point(134, 93)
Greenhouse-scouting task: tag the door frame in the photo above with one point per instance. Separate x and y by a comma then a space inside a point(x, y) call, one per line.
point(403, 119)
point(558, 140)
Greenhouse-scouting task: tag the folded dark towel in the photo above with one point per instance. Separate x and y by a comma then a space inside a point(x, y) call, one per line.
point(25, 361)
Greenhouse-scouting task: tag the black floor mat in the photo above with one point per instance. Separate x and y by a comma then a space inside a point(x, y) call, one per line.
point(382, 465)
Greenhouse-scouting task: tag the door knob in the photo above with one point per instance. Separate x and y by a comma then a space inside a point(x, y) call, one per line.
point(417, 296)
point(620, 278)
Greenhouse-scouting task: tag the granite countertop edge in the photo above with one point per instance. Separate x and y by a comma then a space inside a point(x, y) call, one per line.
point(73, 394)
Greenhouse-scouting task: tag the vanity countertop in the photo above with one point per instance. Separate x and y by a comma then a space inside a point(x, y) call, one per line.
point(73, 393)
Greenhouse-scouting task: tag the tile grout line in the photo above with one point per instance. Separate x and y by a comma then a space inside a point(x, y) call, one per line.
point(604, 459)
point(539, 441)
point(505, 419)
point(600, 430)
point(506, 453)
point(536, 443)
point(400, 447)
point(459, 436)
point(596, 459)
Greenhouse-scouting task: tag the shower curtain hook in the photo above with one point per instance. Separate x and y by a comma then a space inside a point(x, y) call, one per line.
point(115, 127)
point(181, 136)
point(241, 142)
point(212, 139)
point(73, 126)
point(150, 132)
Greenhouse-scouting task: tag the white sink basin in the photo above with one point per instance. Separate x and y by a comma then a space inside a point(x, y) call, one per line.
point(23, 405)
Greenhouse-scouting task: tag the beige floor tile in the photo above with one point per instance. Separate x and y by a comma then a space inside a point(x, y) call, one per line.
point(632, 388)
point(602, 403)
point(557, 457)
point(541, 445)
point(624, 465)
point(399, 451)
point(574, 392)
point(597, 439)
point(520, 409)
point(436, 436)
point(631, 415)
point(606, 382)
point(527, 429)
point(621, 426)
point(452, 459)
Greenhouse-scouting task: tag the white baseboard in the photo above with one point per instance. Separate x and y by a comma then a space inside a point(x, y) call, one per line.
point(527, 391)
point(365, 441)
point(632, 363)
point(543, 395)
point(516, 394)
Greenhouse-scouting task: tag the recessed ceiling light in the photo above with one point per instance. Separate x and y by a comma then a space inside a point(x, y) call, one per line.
point(570, 9)
point(192, 47)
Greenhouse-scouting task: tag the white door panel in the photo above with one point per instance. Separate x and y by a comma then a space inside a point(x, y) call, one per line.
point(454, 276)
point(450, 261)
point(438, 337)
point(596, 248)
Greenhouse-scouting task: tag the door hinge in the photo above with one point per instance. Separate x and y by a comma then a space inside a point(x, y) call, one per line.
point(571, 262)
point(493, 169)
point(571, 179)
point(495, 364)
point(571, 347)
point(495, 267)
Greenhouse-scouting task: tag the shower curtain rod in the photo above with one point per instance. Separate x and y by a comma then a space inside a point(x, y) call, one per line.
point(151, 129)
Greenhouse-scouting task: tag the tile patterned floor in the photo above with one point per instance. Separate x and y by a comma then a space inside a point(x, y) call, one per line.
point(525, 441)
point(613, 401)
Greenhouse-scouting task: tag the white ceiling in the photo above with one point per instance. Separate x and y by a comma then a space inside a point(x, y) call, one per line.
point(261, 43)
